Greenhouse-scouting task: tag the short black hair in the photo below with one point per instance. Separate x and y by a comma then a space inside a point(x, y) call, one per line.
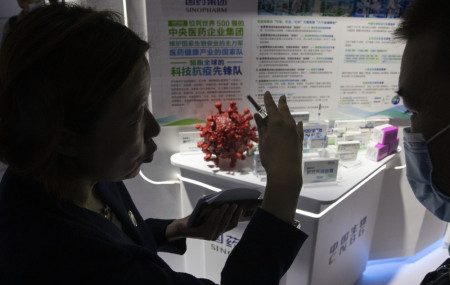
point(424, 16)
point(429, 17)
point(58, 70)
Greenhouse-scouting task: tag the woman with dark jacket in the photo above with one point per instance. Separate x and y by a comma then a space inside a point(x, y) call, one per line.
point(74, 123)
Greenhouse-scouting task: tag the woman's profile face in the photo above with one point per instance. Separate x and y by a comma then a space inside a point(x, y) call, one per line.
point(122, 138)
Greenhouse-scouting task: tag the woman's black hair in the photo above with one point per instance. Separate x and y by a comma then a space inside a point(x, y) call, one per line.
point(58, 70)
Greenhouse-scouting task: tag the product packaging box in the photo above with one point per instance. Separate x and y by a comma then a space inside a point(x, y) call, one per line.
point(362, 137)
point(385, 134)
point(348, 145)
point(392, 146)
point(371, 123)
point(300, 116)
point(344, 155)
point(319, 141)
point(350, 125)
point(188, 141)
point(377, 151)
point(320, 170)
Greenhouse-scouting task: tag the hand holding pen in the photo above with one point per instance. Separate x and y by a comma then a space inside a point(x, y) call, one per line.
point(280, 150)
point(258, 108)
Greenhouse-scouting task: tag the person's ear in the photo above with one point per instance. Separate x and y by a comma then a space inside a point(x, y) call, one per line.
point(67, 145)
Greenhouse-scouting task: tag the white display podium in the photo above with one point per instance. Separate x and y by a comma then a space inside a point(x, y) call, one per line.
point(339, 218)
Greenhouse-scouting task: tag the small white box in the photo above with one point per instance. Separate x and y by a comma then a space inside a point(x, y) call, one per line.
point(332, 139)
point(350, 125)
point(348, 146)
point(339, 132)
point(300, 116)
point(189, 140)
point(385, 134)
point(314, 128)
point(376, 151)
point(320, 170)
point(345, 155)
point(372, 123)
point(362, 137)
point(317, 142)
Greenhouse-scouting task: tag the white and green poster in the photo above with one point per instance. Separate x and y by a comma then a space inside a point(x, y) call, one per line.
point(336, 59)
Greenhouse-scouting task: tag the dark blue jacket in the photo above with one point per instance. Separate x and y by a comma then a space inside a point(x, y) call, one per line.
point(45, 240)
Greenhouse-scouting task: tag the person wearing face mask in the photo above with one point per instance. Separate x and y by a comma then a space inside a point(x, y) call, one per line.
point(424, 86)
point(27, 6)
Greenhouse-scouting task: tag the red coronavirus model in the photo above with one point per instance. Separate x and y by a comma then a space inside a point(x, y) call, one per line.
point(227, 135)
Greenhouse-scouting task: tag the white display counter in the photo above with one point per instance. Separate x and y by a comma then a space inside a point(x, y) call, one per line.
point(339, 218)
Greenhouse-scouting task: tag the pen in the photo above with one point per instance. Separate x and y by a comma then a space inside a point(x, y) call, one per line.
point(258, 108)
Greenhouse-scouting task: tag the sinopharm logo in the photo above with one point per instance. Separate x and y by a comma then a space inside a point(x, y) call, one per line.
point(395, 100)
point(206, 6)
point(206, 2)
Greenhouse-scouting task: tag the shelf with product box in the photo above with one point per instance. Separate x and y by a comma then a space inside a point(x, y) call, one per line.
point(337, 157)
point(337, 205)
point(329, 211)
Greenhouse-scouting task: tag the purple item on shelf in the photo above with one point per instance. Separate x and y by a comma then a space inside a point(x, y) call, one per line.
point(392, 146)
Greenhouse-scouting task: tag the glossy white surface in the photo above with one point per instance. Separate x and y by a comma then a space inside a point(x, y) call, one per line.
point(327, 192)
point(410, 270)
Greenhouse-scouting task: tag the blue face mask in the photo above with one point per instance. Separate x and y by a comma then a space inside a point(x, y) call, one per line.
point(419, 169)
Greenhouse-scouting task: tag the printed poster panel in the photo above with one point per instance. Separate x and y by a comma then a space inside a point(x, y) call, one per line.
point(334, 59)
